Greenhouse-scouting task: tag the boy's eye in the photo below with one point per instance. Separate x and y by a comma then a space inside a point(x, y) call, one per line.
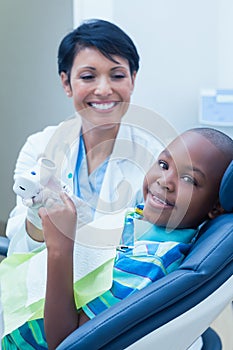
point(189, 179)
point(163, 164)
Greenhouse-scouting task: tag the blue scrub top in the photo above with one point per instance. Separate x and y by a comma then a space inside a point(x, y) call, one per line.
point(87, 187)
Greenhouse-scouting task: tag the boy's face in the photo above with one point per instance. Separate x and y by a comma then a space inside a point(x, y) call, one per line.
point(181, 188)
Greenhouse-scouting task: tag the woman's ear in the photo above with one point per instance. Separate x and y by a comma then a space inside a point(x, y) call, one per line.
point(216, 210)
point(66, 84)
point(133, 80)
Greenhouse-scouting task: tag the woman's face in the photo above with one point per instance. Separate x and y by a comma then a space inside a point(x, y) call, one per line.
point(100, 88)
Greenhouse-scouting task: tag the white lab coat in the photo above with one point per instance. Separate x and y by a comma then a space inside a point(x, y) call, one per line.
point(134, 152)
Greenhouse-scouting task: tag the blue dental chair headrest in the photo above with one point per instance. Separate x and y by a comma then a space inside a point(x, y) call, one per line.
point(226, 189)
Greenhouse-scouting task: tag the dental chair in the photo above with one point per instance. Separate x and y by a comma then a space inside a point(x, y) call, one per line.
point(175, 312)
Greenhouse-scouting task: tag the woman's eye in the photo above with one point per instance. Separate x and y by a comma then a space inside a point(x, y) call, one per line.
point(163, 164)
point(118, 76)
point(87, 77)
point(189, 179)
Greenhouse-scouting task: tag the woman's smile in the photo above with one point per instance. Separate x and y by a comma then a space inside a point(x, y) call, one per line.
point(103, 106)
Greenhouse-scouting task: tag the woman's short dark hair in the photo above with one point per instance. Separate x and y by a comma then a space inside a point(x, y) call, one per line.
point(107, 37)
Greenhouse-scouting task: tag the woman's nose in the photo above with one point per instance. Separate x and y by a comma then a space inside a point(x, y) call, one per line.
point(103, 87)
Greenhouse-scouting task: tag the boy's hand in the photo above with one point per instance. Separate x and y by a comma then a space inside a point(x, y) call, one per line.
point(59, 220)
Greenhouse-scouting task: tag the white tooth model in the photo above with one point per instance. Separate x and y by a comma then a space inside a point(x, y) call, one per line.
point(29, 185)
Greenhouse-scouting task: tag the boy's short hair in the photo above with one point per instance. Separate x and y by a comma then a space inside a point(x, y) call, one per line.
point(219, 139)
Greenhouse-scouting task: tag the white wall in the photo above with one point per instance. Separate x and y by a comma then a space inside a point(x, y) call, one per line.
point(31, 96)
point(185, 45)
point(177, 41)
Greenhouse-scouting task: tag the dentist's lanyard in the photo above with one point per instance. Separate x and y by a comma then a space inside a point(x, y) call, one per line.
point(87, 186)
point(80, 158)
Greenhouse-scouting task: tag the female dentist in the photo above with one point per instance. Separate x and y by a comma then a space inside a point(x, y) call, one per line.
point(95, 153)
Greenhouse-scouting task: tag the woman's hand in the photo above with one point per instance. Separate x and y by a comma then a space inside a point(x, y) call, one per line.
point(59, 220)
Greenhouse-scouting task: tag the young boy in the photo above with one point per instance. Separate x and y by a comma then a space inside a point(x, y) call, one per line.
point(180, 192)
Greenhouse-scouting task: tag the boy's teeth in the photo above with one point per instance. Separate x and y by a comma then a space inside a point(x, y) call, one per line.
point(102, 105)
point(159, 200)
point(164, 202)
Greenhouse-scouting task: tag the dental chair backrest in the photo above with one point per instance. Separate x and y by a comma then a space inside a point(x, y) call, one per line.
point(172, 313)
point(226, 189)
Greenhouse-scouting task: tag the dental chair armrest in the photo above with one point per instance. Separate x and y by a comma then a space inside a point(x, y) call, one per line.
point(4, 244)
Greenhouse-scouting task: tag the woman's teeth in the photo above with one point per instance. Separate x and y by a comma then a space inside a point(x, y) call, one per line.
point(102, 106)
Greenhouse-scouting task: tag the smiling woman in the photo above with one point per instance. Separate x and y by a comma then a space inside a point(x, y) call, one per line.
point(97, 64)
point(100, 89)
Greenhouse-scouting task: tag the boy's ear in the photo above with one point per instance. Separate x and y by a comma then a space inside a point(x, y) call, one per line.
point(216, 210)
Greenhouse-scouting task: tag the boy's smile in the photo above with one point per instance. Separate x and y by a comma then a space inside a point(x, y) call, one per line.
point(159, 201)
point(181, 188)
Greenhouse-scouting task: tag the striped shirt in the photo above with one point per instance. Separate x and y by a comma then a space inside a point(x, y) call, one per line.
point(146, 254)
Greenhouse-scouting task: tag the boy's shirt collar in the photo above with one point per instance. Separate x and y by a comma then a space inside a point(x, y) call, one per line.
point(144, 230)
